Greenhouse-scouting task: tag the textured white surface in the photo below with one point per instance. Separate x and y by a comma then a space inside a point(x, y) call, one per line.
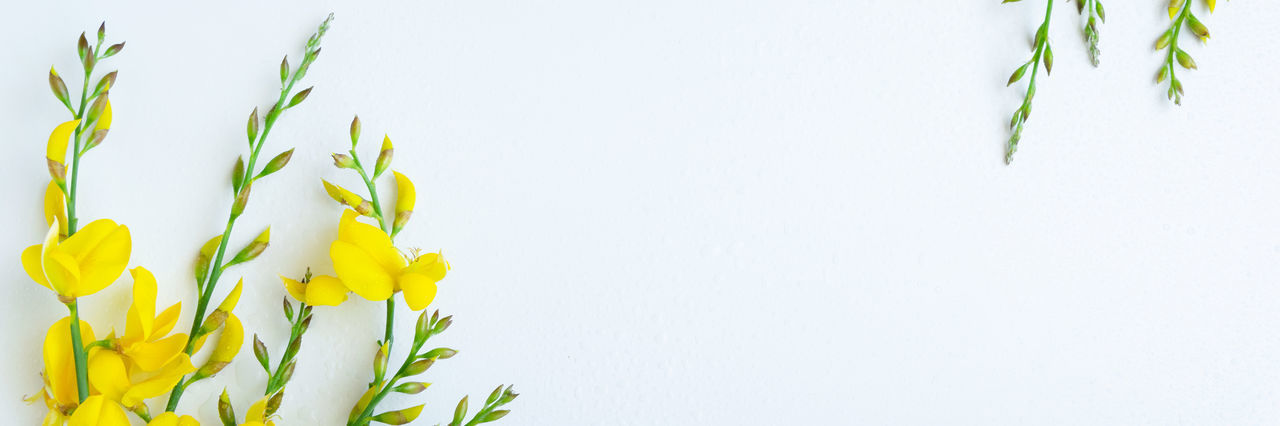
point(717, 212)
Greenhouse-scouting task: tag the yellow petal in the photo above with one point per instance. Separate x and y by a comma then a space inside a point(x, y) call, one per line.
point(419, 290)
point(31, 264)
point(102, 250)
point(324, 290)
point(104, 120)
point(59, 361)
point(258, 411)
point(405, 194)
point(230, 341)
point(55, 208)
point(360, 272)
point(164, 419)
point(57, 148)
point(371, 240)
point(160, 383)
point(98, 411)
point(167, 319)
point(62, 272)
point(295, 288)
point(154, 355)
point(108, 374)
point(142, 314)
point(1212, 3)
point(229, 304)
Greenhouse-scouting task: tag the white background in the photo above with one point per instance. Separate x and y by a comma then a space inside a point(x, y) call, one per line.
point(717, 212)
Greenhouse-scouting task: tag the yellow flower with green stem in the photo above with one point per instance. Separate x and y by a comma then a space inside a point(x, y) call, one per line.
point(60, 388)
point(369, 265)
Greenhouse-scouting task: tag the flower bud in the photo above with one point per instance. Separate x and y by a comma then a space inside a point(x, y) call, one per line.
point(273, 404)
point(252, 126)
point(419, 366)
point(254, 249)
point(59, 87)
point(399, 417)
point(288, 309)
point(226, 412)
point(355, 131)
point(284, 69)
point(260, 352)
point(299, 97)
point(278, 162)
point(204, 257)
point(440, 353)
point(411, 388)
point(384, 157)
point(82, 47)
point(106, 82)
point(380, 361)
point(113, 50)
point(343, 161)
point(242, 199)
point(228, 346)
point(460, 413)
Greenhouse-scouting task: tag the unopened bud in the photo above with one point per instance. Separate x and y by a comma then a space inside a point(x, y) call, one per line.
point(59, 87)
point(412, 388)
point(355, 131)
point(343, 161)
point(226, 412)
point(278, 162)
point(384, 157)
point(399, 417)
point(242, 199)
point(380, 361)
point(419, 366)
point(440, 353)
point(254, 249)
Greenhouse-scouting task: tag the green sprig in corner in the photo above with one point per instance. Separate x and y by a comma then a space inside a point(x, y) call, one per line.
point(1043, 54)
point(1180, 13)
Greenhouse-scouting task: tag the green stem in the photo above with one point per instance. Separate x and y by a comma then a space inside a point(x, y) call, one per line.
point(275, 383)
point(388, 335)
point(365, 415)
point(1173, 41)
point(215, 272)
point(77, 348)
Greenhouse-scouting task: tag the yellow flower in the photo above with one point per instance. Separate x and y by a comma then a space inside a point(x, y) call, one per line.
point(144, 342)
point(84, 263)
point(257, 415)
point(60, 389)
point(110, 374)
point(99, 411)
point(322, 290)
point(405, 197)
point(56, 150)
point(367, 262)
point(171, 419)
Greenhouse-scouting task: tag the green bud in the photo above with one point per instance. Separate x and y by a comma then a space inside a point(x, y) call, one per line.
point(1185, 60)
point(1164, 40)
point(278, 162)
point(422, 329)
point(260, 352)
point(95, 139)
point(411, 388)
point(493, 415)
point(106, 82)
point(442, 325)
point(380, 361)
point(59, 87)
point(253, 126)
point(419, 366)
point(99, 105)
point(493, 396)
point(1017, 74)
point(299, 97)
point(273, 404)
point(242, 199)
point(343, 161)
point(82, 47)
point(1102, 14)
point(284, 69)
point(399, 417)
point(288, 309)
point(226, 412)
point(507, 396)
point(439, 353)
point(1197, 27)
point(102, 31)
point(237, 173)
point(355, 131)
point(203, 258)
point(1048, 59)
point(460, 413)
point(113, 50)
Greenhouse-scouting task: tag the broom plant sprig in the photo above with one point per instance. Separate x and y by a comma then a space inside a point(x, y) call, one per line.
point(1043, 54)
point(243, 177)
point(1180, 13)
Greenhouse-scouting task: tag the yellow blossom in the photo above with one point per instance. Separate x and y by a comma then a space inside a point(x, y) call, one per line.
point(84, 263)
point(99, 411)
point(171, 419)
point(110, 374)
point(322, 290)
point(60, 389)
point(144, 342)
point(367, 262)
point(56, 150)
point(257, 415)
